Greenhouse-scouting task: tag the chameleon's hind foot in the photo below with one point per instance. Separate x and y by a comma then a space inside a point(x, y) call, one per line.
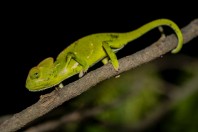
point(163, 36)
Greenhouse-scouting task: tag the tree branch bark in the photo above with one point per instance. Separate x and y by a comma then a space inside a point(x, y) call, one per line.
point(57, 97)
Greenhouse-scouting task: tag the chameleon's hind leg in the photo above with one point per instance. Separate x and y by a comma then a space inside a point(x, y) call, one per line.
point(111, 55)
point(82, 62)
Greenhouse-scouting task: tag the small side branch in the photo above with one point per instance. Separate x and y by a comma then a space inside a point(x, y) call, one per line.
point(57, 97)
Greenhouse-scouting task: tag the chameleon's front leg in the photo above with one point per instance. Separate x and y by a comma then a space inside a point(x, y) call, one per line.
point(82, 62)
point(111, 55)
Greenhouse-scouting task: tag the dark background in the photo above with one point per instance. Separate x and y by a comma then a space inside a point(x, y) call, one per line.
point(31, 33)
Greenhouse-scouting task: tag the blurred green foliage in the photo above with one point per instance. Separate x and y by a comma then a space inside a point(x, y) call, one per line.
point(184, 117)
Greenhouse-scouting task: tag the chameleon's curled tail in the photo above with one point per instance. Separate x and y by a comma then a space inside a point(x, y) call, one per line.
point(156, 23)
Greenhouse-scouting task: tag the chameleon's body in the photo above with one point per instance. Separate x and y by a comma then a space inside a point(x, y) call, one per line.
point(85, 52)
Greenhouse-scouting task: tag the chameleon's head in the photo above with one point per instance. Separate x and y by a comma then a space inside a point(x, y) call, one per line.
point(39, 77)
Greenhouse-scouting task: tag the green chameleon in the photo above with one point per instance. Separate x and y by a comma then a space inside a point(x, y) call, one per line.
point(87, 51)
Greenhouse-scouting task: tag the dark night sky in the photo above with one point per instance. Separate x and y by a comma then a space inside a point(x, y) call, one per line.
point(30, 35)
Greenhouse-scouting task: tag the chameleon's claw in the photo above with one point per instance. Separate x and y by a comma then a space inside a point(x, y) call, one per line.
point(105, 60)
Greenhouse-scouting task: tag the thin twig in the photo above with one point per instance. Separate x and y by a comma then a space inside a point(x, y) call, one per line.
point(57, 97)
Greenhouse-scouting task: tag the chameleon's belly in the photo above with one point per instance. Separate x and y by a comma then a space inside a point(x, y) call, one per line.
point(91, 52)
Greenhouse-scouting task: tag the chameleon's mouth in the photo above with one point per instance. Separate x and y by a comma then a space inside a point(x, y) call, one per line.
point(37, 89)
point(38, 85)
point(33, 89)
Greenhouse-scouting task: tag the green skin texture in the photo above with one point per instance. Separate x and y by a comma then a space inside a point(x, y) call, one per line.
point(87, 51)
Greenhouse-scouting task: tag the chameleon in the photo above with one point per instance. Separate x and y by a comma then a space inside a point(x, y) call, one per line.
point(83, 53)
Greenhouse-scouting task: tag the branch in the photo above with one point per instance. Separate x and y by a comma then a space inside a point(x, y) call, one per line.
point(57, 97)
point(176, 96)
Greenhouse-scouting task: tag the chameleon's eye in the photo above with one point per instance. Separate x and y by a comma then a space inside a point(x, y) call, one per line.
point(35, 73)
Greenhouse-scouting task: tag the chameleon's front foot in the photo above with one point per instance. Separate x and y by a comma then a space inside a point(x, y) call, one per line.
point(82, 72)
point(60, 85)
